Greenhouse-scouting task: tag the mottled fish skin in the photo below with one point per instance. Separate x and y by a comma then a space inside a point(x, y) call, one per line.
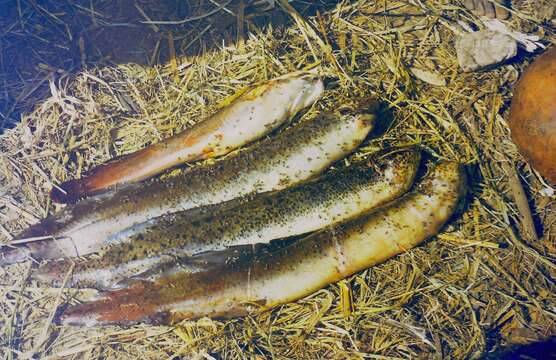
point(252, 115)
point(333, 198)
point(295, 155)
point(262, 281)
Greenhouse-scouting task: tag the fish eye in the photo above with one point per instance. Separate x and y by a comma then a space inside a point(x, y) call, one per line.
point(345, 110)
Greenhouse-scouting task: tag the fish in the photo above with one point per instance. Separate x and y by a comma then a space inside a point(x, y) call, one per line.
point(295, 155)
point(260, 281)
point(250, 116)
point(334, 197)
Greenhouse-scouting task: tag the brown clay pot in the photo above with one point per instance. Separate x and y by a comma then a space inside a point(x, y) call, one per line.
point(533, 114)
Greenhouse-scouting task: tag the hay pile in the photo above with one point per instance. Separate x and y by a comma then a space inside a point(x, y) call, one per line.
point(485, 282)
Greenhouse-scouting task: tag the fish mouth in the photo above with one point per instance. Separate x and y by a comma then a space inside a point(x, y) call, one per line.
point(366, 120)
point(308, 85)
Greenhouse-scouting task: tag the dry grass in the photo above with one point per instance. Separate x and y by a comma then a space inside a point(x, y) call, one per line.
point(486, 281)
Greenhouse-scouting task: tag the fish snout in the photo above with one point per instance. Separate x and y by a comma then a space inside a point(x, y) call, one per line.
point(365, 120)
point(404, 173)
point(310, 91)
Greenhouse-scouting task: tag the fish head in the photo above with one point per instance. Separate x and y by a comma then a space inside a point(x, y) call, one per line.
point(399, 166)
point(359, 116)
point(304, 87)
point(364, 111)
point(311, 89)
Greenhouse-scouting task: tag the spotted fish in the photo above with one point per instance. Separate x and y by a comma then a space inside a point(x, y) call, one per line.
point(263, 280)
point(333, 198)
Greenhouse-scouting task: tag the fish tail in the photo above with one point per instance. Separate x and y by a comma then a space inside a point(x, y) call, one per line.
point(87, 314)
point(123, 307)
point(11, 254)
point(38, 250)
point(14, 255)
point(69, 192)
point(101, 178)
point(52, 273)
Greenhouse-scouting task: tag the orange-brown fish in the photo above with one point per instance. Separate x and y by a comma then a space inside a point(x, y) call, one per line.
point(293, 156)
point(331, 199)
point(263, 280)
point(249, 117)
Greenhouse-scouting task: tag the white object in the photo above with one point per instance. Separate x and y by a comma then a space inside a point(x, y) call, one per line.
point(483, 49)
point(529, 42)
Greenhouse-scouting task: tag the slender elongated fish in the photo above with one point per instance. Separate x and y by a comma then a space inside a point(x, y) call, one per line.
point(264, 280)
point(331, 199)
point(295, 155)
point(252, 115)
